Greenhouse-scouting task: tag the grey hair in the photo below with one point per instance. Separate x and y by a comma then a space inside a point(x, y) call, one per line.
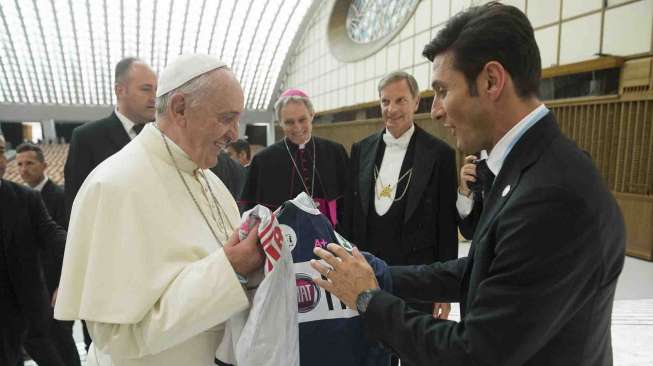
point(398, 76)
point(283, 101)
point(194, 89)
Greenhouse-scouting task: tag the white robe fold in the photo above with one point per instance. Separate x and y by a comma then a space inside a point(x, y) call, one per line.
point(141, 265)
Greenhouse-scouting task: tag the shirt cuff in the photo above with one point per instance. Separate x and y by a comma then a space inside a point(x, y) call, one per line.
point(464, 204)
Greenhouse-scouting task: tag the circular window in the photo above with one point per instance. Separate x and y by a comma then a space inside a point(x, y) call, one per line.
point(359, 28)
point(370, 20)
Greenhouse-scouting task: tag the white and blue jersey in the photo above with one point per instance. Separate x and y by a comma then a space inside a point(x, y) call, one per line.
point(329, 332)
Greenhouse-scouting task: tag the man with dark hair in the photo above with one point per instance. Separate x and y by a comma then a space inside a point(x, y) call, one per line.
point(239, 151)
point(31, 166)
point(231, 173)
point(538, 283)
point(26, 232)
point(91, 143)
point(401, 203)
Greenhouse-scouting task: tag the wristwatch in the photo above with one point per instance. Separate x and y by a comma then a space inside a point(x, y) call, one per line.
point(364, 299)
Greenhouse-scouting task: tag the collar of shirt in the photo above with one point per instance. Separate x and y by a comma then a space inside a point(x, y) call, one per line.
point(293, 146)
point(39, 187)
point(498, 154)
point(127, 124)
point(401, 142)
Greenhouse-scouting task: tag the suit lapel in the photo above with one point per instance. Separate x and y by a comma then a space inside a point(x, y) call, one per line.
point(525, 152)
point(116, 132)
point(422, 169)
point(366, 172)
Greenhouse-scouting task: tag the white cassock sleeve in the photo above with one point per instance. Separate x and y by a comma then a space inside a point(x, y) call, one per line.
point(205, 293)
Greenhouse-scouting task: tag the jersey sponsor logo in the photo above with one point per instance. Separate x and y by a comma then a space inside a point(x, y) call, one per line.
point(315, 303)
point(320, 243)
point(308, 293)
point(289, 236)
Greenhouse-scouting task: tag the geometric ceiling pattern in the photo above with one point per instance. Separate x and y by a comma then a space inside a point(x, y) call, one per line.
point(65, 51)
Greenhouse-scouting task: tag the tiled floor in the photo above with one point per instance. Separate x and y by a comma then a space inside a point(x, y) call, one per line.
point(632, 316)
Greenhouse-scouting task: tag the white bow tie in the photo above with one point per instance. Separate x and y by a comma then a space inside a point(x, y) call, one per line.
point(391, 141)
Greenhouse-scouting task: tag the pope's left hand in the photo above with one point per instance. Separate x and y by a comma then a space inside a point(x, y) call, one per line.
point(348, 274)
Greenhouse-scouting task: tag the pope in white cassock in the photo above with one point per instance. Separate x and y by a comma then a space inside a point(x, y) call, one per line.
point(151, 256)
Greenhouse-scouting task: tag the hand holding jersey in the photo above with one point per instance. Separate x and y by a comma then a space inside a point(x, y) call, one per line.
point(352, 272)
point(244, 255)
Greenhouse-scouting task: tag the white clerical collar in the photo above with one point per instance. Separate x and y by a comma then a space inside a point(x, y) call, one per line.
point(499, 152)
point(400, 142)
point(152, 136)
point(127, 124)
point(39, 187)
point(302, 146)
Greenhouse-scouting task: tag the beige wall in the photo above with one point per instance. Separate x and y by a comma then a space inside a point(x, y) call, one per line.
point(567, 31)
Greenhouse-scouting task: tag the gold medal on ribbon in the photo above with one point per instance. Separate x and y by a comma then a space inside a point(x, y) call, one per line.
point(386, 191)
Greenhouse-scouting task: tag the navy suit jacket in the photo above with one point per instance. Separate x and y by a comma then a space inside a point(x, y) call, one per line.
point(538, 284)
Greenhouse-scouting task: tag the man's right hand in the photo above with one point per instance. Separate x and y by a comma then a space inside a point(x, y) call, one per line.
point(467, 174)
point(245, 255)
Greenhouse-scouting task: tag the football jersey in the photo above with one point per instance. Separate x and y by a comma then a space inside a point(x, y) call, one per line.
point(267, 334)
point(329, 332)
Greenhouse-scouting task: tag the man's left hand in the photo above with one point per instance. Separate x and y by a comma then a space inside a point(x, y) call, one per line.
point(348, 274)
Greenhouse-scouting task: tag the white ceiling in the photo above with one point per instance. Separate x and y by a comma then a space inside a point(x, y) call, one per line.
point(63, 52)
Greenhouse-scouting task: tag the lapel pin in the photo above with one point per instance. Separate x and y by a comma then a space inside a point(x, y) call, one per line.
point(505, 191)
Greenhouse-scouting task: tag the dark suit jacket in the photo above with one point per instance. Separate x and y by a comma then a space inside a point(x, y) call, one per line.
point(538, 285)
point(230, 173)
point(54, 200)
point(91, 144)
point(27, 231)
point(430, 218)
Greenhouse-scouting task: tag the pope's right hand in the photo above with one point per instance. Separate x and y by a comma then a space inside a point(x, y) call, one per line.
point(245, 255)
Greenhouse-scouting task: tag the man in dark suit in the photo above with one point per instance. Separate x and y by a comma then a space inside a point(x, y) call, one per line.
point(401, 202)
point(230, 173)
point(91, 143)
point(538, 284)
point(31, 166)
point(26, 231)
point(240, 151)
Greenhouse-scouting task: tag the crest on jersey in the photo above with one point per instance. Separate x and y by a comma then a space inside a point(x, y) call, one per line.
point(308, 293)
point(289, 236)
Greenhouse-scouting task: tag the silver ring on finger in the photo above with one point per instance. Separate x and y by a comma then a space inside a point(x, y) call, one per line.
point(327, 272)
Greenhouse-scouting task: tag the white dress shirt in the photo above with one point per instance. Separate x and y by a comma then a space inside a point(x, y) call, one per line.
point(498, 154)
point(393, 158)
point(39, 187)
point(127, 124)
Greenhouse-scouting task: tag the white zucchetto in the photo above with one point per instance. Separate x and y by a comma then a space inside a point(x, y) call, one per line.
point(184, 69)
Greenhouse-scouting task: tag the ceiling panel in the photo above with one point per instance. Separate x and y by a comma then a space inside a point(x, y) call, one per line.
point(64, 51)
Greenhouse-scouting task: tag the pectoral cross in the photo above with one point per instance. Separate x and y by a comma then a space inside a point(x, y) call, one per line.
point(386, 191)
